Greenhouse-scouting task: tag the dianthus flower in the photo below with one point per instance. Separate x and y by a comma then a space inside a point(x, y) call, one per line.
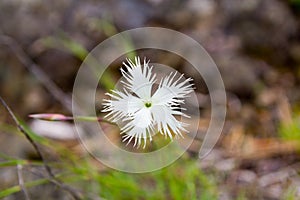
point(141, 113)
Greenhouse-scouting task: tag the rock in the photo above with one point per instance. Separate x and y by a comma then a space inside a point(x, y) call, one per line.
point(243, 177)
point(130, 13)
point(224, 194)
point(201, 8)
point(226, 165)
point(264, 26)
point(274, 191)
point(269, 165)
point(244, 79)
point(276, 177)
point(214, 156)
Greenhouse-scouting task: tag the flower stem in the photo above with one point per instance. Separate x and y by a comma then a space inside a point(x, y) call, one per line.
point(61, 117)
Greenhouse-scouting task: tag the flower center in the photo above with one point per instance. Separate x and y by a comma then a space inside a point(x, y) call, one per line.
point(148, 104)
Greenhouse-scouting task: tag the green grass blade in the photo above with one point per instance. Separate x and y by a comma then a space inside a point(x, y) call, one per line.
point(17, 188)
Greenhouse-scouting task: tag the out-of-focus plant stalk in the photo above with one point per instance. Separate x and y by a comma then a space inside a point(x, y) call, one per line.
point(61, 117)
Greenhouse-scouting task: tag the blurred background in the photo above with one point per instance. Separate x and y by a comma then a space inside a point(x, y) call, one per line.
point(256, 46)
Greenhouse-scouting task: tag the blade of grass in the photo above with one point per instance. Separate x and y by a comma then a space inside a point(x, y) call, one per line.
point(11, 163)
point(17, 188)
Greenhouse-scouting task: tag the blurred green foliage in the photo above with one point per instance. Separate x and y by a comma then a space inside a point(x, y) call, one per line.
point(181, 180)
point(290, 195)
point(290, 131)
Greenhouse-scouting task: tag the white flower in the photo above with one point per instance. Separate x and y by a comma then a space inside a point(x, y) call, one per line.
point(140, 114)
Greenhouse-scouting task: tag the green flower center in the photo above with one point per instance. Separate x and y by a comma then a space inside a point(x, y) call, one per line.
point(148, 104)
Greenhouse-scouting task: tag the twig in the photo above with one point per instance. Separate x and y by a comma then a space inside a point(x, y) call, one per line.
point(36, 70)
point(21, 128)
point(52, 177)
point(21, 181)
